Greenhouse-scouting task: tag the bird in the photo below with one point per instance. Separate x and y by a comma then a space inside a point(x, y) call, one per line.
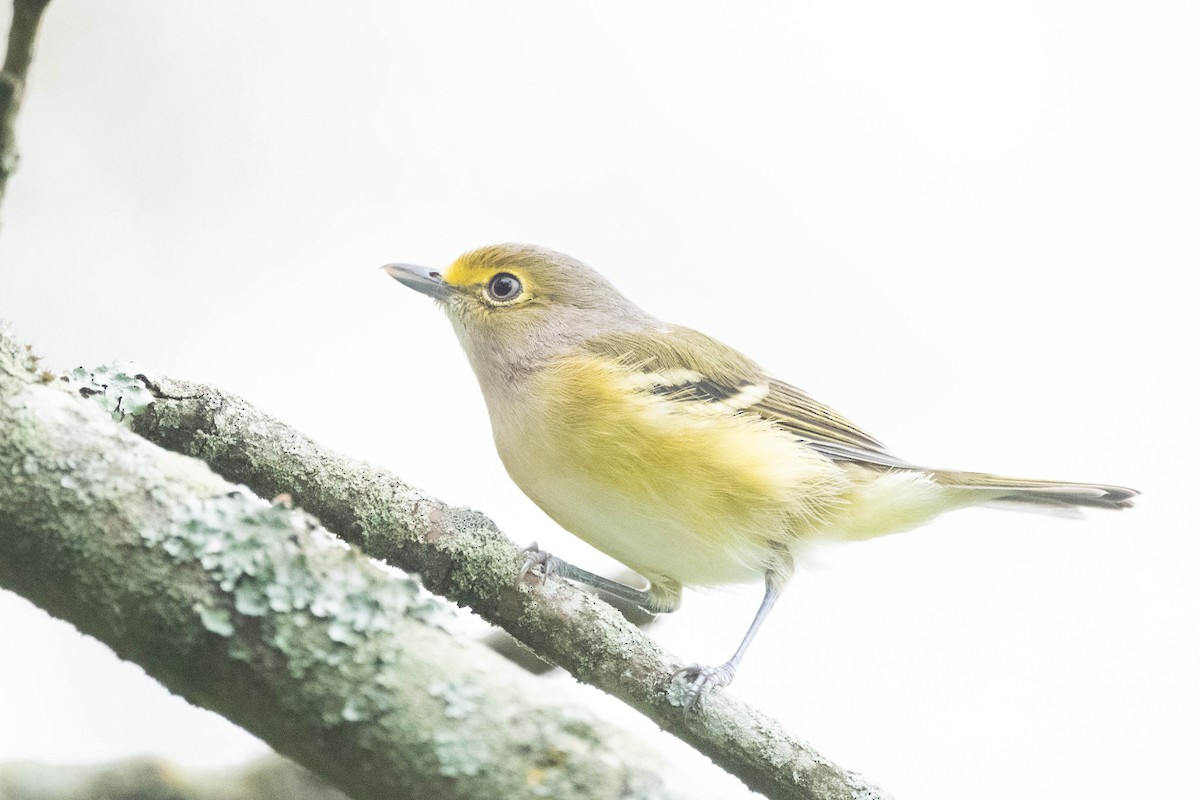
point(673, 453)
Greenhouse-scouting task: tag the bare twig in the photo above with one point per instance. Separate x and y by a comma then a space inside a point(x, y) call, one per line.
point(22, 35)
point(461, 555)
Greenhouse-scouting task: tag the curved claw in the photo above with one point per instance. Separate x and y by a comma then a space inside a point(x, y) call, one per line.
point(535, 557)
point(691, 685)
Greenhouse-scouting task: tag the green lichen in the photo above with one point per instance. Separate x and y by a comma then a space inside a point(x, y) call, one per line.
point(862, 789)
point(115, 387)
point(489, 567)
point(460, 755)
point(571, 721)
point(214, 619)
point(317, 600)
point(17, 358)
point(564, 747)
point(679, 691)
point(462, 699)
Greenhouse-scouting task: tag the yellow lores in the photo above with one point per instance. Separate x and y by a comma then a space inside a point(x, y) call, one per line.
point(671, 452)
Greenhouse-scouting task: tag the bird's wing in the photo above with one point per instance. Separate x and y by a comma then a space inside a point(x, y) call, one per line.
point(684, 365)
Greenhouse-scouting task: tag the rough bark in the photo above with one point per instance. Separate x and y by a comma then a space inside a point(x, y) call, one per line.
point(255, 611)
point(270, 778)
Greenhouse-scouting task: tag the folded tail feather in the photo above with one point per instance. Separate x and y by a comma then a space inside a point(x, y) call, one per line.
point(1039, 493)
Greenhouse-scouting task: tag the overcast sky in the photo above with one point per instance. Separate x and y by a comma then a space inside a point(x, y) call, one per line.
point(970, 227)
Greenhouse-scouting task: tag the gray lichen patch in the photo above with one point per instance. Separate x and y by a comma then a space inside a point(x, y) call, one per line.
point(462, 699)
point(460, 755)
point(215, 620)
point(319, 602)
point(18, 360)
point(115, 387)
point(562, 746)
point(488, 562)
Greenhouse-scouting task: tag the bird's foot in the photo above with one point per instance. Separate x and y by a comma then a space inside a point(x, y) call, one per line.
point(538, 563)
point(692, 684)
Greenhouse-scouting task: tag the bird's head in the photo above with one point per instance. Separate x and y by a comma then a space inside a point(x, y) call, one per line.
point(517, 303)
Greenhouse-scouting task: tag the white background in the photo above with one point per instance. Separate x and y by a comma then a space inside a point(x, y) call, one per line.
point(970, 227)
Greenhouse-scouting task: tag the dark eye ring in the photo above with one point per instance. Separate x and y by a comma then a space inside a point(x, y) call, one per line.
point(503, 287)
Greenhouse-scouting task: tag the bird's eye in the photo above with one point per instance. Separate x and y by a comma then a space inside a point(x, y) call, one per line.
point(503, 286)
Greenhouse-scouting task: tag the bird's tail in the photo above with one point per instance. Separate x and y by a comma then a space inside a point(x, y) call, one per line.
point(1047, 494)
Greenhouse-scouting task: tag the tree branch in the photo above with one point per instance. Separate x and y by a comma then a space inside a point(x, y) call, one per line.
point(461, 555)
point(268, 778)
point(22, 35)
point(253, 610)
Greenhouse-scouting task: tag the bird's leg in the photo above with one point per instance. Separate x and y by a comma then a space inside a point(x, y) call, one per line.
point(695, 681)
point(658, 598)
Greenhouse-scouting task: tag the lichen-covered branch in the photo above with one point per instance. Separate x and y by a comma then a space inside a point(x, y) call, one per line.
point(269, 778)
point(254, 610)
point(22, 36)
point(461, 555)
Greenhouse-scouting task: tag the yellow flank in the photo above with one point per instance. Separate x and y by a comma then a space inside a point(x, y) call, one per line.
point(691, 492)
point(668, 488)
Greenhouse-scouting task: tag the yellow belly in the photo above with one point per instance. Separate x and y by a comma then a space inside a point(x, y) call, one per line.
point(665, 488)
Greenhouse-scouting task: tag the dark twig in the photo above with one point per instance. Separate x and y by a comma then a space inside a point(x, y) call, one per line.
point(27, 17)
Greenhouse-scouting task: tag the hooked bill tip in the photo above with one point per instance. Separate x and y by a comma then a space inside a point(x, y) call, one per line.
point(422, 279)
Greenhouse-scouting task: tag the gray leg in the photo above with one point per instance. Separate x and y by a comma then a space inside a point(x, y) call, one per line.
point(659, 598)
point(698, 680)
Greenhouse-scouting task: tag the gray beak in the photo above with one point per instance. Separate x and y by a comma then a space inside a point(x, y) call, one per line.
point(423, 279)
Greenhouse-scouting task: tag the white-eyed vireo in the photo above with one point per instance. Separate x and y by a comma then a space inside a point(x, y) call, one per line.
point(673, 453)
